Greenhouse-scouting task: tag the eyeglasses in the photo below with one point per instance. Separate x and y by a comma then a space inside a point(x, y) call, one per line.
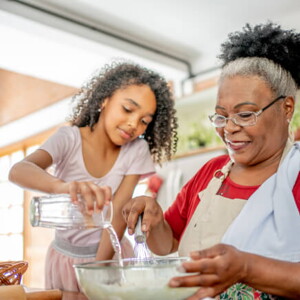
point(244, 119)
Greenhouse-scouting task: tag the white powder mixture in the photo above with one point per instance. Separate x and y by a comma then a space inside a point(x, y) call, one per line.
point(150, 291)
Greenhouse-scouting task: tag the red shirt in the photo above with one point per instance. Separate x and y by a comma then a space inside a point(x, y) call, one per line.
point(180, 212)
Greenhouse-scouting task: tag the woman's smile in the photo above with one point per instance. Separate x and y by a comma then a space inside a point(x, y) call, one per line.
point(236, 145)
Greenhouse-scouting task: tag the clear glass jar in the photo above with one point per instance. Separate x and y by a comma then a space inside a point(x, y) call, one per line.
point(58, 211)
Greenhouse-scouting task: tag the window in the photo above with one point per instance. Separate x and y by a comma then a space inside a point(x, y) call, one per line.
point(11, 212)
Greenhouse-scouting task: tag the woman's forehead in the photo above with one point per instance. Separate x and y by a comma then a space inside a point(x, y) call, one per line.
point(242, 89)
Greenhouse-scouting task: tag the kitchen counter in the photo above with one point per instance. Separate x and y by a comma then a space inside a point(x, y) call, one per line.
point(19, 292)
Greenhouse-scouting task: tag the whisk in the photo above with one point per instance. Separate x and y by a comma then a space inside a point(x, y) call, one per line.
point(141, 250)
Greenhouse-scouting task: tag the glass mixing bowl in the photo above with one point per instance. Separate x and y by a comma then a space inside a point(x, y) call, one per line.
point(135, 280)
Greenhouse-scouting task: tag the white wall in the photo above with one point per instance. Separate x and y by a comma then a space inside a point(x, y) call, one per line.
point(177, 172)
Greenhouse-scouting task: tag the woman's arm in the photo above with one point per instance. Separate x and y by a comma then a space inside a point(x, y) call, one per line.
point(273, 276)
point(121, 197)
point(159, 234)
point(221, 266)
point(160, 239)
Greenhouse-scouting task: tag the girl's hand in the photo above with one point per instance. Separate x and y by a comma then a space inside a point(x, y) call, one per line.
point(95, 196)
point(152, 218)
point(218, 268)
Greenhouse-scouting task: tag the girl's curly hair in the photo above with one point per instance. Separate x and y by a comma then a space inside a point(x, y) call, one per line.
point(267, 41)
point(161, 133)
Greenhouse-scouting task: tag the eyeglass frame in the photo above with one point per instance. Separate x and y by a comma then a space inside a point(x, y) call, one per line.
point(257, 114)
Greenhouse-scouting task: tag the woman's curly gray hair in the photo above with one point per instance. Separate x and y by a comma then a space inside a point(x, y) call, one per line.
point(267, 51)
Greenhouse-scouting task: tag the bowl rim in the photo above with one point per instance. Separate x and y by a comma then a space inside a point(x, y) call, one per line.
point(99, 264)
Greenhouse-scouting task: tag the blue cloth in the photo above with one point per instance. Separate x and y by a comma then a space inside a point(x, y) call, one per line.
point(269, 223)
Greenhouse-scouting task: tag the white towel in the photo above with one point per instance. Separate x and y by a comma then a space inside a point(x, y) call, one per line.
point(269, 223)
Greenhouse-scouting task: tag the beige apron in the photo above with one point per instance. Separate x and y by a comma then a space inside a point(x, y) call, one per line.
point(213, 215)
point(211, 218)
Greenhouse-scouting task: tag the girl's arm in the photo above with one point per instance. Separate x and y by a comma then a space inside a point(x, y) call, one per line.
point(159, 234)
point(30, 173)
point(221, 266)
point(121, 197)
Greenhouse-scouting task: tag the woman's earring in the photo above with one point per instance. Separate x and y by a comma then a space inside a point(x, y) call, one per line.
point(99, 109)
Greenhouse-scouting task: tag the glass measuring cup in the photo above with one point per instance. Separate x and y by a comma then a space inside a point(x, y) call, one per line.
point(58, 211)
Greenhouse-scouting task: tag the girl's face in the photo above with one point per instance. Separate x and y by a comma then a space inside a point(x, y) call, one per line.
point(266, 139)
point(127, 113)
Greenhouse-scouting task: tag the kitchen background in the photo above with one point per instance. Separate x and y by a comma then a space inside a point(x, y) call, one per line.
point(50, 47)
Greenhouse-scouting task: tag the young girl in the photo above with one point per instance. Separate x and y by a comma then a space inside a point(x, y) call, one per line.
point(124, 116)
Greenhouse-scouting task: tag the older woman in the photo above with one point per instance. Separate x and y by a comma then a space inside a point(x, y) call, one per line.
point(250, 198)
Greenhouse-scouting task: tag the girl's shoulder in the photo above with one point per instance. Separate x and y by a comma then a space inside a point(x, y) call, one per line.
point(68, 131)
point(136, 157)
point(138, 146)
point(69, 135)
point(62, 141)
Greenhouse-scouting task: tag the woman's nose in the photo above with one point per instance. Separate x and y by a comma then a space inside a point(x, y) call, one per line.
point(231, 126)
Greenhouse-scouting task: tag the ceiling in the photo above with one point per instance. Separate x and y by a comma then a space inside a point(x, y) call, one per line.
point(66, 40)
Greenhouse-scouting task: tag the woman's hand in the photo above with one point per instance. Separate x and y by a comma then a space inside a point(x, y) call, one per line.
point(158, 232)
point(95, 196)
point(153, 214)
point(218, 268)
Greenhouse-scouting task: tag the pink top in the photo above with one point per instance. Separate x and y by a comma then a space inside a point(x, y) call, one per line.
point(65, 148)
